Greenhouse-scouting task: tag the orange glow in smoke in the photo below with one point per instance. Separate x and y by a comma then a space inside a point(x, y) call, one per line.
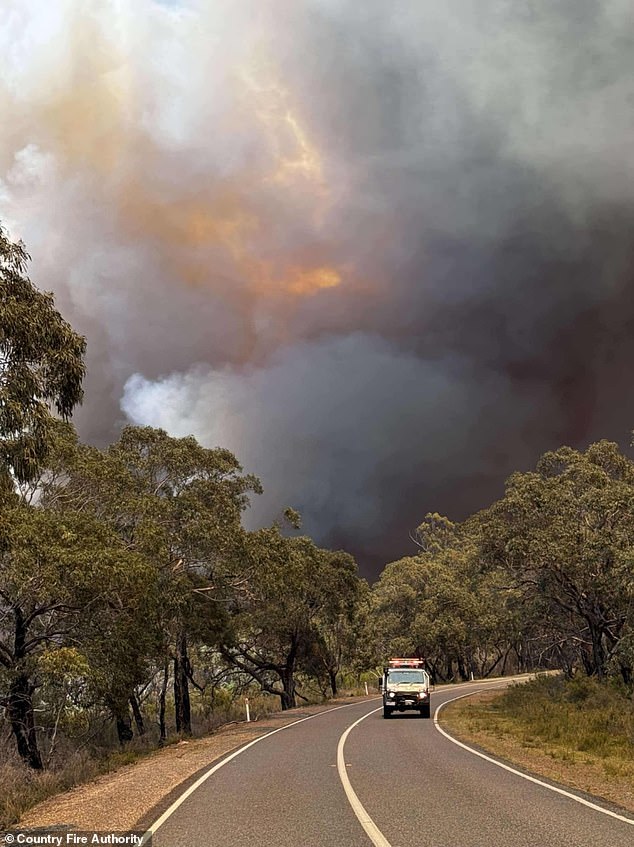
point(308, 282)
point(231, 232)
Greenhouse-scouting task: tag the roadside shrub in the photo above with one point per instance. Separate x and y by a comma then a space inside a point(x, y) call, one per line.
point(581, 714)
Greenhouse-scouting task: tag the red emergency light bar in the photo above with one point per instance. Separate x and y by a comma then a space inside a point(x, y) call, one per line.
point(407, 663)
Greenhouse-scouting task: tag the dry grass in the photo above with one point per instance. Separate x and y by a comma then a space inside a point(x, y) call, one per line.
point(21, 789)
point(579, 733)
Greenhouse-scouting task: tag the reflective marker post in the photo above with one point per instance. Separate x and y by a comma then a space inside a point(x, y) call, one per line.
point(246, 703)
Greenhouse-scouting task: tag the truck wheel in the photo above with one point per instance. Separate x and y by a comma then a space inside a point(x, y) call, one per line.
point(425, 711)
point(387, 713)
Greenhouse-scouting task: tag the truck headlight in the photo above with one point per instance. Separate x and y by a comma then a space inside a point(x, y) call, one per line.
point(422, 695)
point(390, 694)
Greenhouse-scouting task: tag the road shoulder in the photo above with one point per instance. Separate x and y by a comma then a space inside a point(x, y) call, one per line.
point(136, 794)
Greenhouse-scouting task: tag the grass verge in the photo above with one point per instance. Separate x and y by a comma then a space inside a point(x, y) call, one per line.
point(576, 732)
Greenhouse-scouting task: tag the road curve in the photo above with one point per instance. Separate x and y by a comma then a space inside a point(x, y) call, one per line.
point(412, 784)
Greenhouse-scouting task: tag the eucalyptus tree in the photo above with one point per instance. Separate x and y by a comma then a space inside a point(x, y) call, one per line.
point(179, 505)
point(41, 367)
point(565, 535)
point(336, 627)
point(406, 598)
point(440, 606)
point(192, 501)
point(41, 371)
point(58, 575)
point(295, 593)
point(423, 607)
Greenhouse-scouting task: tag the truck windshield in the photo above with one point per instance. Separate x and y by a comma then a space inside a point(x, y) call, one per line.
point(415, 677)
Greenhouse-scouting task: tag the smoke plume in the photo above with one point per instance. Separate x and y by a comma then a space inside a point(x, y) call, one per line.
point(382, 251)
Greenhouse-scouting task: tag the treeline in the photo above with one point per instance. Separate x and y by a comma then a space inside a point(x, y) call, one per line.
point(127, 573)
point(543, 578)
point(130, 589)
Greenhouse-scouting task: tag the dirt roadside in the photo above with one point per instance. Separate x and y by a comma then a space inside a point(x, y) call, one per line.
point(135, 794)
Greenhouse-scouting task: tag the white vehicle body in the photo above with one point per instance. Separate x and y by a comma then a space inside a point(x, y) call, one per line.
point(405, 685)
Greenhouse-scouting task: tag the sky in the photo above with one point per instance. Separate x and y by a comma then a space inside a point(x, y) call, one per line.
point(382, 251)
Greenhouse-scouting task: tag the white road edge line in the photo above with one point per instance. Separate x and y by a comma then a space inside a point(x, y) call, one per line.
point(526, 776)
point(371, 829)
point(188, 792)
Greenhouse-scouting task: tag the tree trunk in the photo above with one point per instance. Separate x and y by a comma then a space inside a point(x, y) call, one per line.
point(332, 677)
point(585, 653)
point(178, 695)
point(20, 701)
point(598, 653)
point(124, 727)
point(519, 652)
point(181, 687)
point(506, 656)
point(138, 717)
point(22, 719)
point(287, 695)
point(449, 669)
point(495, 664)
point(433, 670)
point(462, 671)
point(626, 673)
point(162, 695)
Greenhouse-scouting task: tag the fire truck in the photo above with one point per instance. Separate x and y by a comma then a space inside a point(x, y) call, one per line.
point(405, 685)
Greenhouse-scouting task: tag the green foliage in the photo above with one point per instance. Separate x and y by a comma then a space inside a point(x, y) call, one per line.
point(178, 505)
point(544, 577)
point(62, 576)
point(293, 518)
point(62, 664)
point(293, 612)
point(565, 535)
point(440, 606)
point(436, 533)
point(41, 367)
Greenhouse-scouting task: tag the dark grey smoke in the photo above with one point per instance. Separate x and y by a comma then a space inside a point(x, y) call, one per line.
point(466, 170)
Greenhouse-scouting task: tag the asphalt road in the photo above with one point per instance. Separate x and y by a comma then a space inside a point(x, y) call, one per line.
point(409, 784)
